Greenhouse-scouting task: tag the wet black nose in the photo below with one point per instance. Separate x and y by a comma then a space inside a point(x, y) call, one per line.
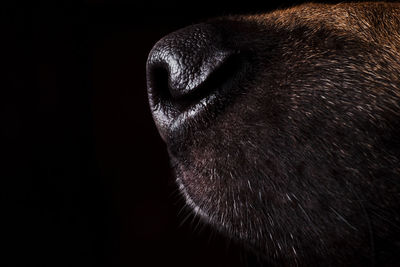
point(184, 68)
point(186, 59)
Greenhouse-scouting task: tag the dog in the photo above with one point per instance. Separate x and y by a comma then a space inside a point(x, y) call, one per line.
point(283, 129)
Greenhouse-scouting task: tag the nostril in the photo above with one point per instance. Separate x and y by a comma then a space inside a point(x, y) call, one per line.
point(166, 87)
point(158, 82)
point(220, 75)
point(182, 66)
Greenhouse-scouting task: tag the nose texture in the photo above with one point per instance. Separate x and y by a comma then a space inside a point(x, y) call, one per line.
point(187, 57)
point(188, 73)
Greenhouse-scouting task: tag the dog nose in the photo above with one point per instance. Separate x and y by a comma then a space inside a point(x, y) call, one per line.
point(184, 69)
point(180, 63)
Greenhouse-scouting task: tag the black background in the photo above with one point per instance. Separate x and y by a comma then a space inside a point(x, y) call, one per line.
point(84, 176)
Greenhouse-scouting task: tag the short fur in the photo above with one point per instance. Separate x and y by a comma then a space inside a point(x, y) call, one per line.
point(303, 164)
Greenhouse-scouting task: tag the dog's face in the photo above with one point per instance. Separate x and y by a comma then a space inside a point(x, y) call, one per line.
point(284, 129)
